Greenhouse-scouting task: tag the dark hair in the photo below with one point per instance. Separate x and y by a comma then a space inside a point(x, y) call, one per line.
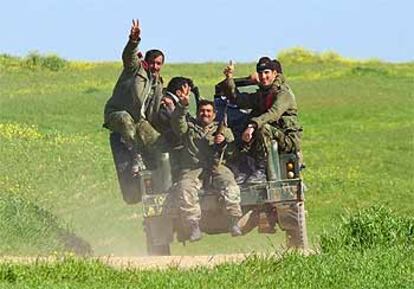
point(267, 63)
point(152, 54)
point(278, 66)
point(204, 102)
point(177, 82)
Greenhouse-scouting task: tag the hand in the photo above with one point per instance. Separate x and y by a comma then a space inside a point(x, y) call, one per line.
point(168, 103)
point(219, 138)
point(135, 30)
point(184, 98)
point(229, 70)
point(247, 134)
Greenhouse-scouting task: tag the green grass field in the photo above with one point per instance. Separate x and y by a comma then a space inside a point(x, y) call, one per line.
point(358, 146)
point(369, 249)
point(57, 175)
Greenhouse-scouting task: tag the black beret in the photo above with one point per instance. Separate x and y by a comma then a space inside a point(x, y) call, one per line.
point(266, 63)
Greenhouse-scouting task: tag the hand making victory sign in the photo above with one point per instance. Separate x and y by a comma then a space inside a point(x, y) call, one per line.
point(135, 30)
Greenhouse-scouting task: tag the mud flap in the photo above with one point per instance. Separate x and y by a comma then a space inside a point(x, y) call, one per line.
point(213, 219)
point(129, 185)
point(249, 221)
point(159, 233)
point(264, 219)
point(291, 218)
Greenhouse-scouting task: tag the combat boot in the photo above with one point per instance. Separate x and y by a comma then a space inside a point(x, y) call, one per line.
point(134, 164)
point(234, 227)
point(259, 174)
point(241, 178)
point(137, 163)
point(195, 232)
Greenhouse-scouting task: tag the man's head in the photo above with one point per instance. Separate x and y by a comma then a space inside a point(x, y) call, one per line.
point(206, 112)
point(180, 86)
point(155, 60)
point(267, 70)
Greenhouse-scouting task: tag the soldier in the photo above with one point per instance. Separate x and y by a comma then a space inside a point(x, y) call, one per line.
point(133, 108)
point(201, 143)
point(274, 114)
point(175, 88)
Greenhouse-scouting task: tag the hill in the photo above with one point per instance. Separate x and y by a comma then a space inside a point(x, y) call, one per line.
point(358, 145)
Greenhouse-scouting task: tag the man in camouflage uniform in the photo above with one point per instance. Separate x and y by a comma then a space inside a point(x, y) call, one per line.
point(198, 165)
point(173, 145)
point(133, 108)
point(274, 114)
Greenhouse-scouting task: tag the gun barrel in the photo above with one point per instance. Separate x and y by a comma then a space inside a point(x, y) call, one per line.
point(244, 81)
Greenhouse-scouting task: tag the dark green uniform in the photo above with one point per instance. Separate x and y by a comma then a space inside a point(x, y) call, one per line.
point(196, 161)
point(171, 141)
point(133, 108)
point(274, 111)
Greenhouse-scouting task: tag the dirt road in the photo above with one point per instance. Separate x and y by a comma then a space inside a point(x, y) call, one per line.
point(155, 262)
point(159, 262)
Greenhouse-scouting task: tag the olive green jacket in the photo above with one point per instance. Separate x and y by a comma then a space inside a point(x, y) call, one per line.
point(200, 150)
point(134, 87)
point(282, 112)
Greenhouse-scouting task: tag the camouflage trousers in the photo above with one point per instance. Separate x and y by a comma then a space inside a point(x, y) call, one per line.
point(139, 133)
point(288, 141)
point(189, 184)
point(137, 137)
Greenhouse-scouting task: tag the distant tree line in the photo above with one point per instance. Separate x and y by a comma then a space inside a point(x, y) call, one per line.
point(33, 61)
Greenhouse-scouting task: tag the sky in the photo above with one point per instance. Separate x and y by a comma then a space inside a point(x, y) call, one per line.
point(212, 30)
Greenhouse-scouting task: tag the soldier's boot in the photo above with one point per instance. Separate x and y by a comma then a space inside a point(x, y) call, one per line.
point(259, 174)
point(234, 227)
point(136, 164)
point(241, 178)
point(195, 232)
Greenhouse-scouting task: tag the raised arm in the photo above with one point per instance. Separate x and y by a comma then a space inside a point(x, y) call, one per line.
point(179, 120)
point(129, 55)
point(229, 88)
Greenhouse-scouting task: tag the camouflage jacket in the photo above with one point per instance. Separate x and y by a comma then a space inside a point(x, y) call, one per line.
point(171, 139)
point(200, 149)
point(135, 87)
point(275, 105)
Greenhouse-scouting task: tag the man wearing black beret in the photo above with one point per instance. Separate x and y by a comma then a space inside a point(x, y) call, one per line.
point(274, 114)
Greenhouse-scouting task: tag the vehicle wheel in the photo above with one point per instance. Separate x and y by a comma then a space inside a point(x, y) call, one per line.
point(158, 250)
point(292, 220)
point(158, 233)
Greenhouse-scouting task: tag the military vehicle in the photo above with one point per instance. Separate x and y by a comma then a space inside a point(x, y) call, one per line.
point(278, 201)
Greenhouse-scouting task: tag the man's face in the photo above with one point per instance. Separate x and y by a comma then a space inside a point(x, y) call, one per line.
point(155, 64)
point(267, 76)
point(206, 114)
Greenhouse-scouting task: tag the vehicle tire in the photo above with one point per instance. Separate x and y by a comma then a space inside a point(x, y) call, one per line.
point(158, 250)
point(292, 220)
point(158, 233)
